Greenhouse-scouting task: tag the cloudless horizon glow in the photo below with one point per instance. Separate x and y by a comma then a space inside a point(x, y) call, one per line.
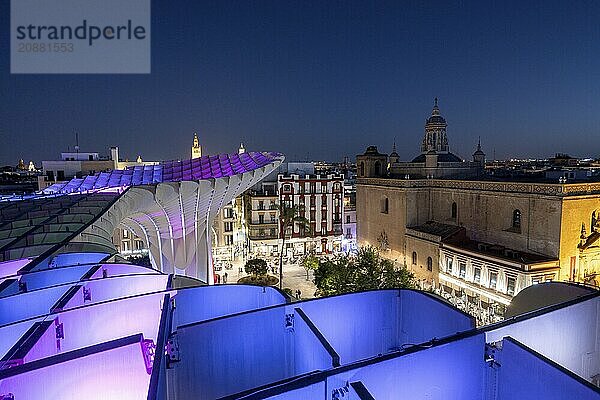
point(323, 81)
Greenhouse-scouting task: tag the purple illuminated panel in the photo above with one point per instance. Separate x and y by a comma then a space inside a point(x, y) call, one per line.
point(207, 167)
point(116, 373)
point(10, 268)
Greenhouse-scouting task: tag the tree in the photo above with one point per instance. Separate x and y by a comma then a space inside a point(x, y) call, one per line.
point(256, 267)
point(365, 271)
point(289, 216)
point(309, 263)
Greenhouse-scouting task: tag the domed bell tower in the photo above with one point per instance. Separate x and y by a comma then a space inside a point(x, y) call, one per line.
point(435, 132)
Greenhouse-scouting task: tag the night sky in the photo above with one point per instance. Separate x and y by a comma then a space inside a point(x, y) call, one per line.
point(324, 79)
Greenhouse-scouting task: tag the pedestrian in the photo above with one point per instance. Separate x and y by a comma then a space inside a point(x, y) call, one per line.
point(225, 277)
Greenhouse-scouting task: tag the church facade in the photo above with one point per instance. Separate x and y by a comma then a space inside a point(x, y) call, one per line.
point(479, 239)
point(436, 160)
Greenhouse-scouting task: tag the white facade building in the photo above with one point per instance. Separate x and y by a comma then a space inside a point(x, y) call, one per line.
point(483, 278)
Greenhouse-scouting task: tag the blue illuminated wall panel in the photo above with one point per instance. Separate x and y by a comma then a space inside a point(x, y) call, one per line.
point(244, 351)
point(313, 392)
point(232, 354)
point(363, 325)
point(358, 325)
point(52, 277)
point(523, 375)
point(449, 371)
point(309, 354)
point(26, 305)
point(424, 317)
point(207, 302)
point(121, 269)
point(567, 335)
point(68, 259)
point(118, 287)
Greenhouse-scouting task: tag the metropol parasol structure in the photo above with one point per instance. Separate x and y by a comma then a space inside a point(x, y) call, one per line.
point(79, 322)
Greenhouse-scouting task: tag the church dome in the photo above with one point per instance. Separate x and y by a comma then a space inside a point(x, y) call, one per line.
point(442, 157)
point(479, 153)
point(372, 151)
point(436, 118)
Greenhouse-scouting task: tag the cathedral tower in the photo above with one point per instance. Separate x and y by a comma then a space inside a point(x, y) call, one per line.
point(435, 132)
point(196, 148)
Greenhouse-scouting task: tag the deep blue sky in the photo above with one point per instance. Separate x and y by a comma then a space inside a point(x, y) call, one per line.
point(324, 79)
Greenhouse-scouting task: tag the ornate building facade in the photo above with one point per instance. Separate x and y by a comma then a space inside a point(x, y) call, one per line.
point(319, 198)
point(475, 237)
point(435, 160)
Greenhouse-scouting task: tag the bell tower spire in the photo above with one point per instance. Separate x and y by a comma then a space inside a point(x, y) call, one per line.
point(479, 155)
point(196, 148)
point(435, 138)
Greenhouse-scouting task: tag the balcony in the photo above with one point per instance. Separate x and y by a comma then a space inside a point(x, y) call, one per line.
point(266, 207)
point(264, 223)
point(254, 235)
point(263, 194)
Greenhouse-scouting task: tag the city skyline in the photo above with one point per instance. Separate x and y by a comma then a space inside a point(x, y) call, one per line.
point(325, 81)
point(286, 200)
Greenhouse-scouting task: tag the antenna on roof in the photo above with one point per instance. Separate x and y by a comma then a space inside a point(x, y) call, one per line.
point(76, 142)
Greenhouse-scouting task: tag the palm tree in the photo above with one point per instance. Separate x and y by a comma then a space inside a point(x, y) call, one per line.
point(289, 216)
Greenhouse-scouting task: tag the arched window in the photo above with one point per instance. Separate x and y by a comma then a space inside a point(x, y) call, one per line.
point(385, 205)
point(454, 210)
point(414, 258)
point(516, 219)
point(377, 168)
point(361, 169)
point(429, 264)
